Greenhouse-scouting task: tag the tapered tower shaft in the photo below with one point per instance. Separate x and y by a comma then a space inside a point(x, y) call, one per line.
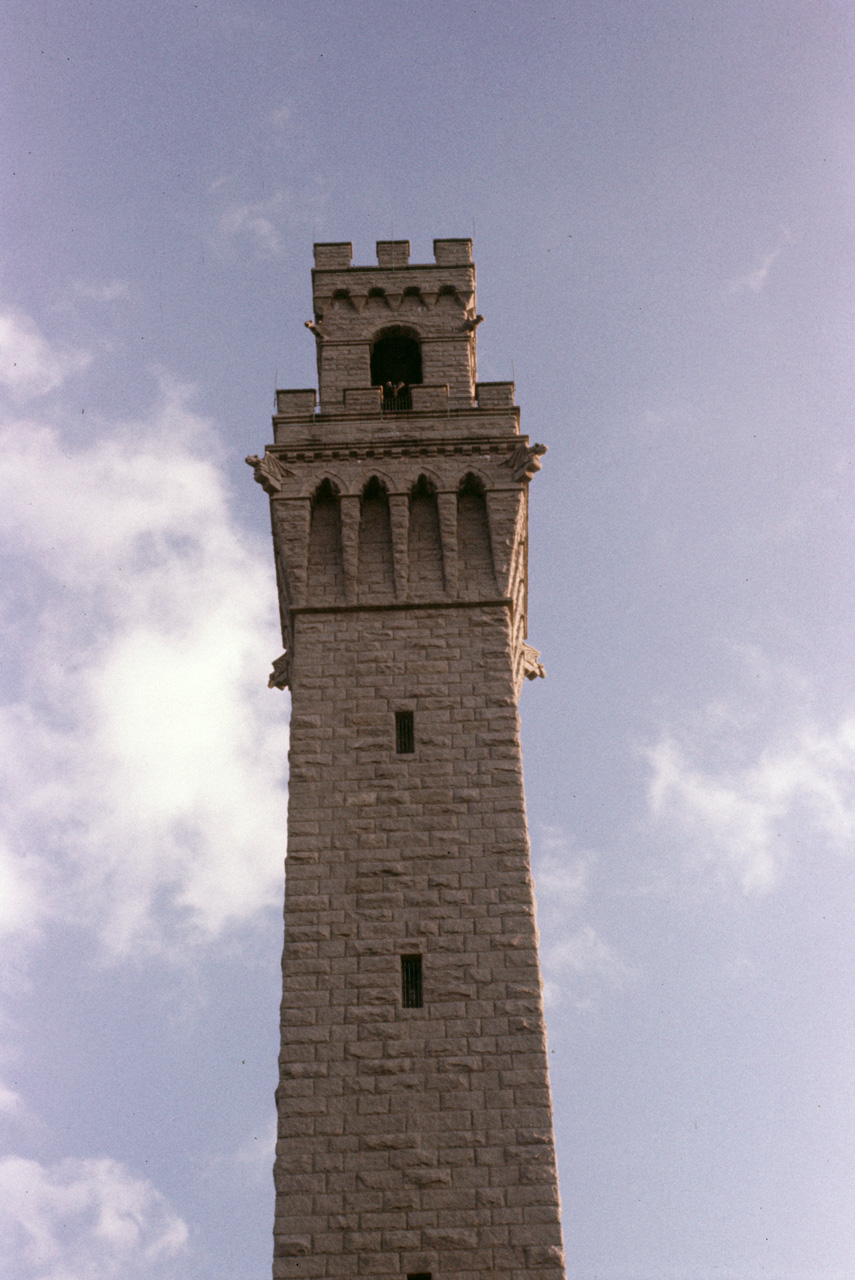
point(415, 1128)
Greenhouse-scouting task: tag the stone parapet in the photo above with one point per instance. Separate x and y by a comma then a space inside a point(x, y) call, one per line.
point(348, 426)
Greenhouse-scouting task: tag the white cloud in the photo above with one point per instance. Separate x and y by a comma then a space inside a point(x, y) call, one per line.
point(143, 758)
point(745, 823)
point(29, 365)
point(21, 905)
point(109, 292)
point(16, 1112)
point(85, 1218)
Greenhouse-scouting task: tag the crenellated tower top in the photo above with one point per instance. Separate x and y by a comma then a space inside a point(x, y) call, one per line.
point(398, 335)
point(395, 326)
point(407, 484)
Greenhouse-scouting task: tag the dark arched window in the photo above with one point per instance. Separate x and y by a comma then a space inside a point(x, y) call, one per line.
point(396, 365)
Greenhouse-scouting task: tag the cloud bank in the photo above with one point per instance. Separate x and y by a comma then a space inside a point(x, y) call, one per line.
point(143, 758)
point(85, 1218)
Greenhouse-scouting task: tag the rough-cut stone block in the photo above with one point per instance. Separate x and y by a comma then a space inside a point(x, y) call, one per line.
point(362, 399)
point(393, 253)
point(452, 253)
point(296, 404)
point(430, 399)
point(494, 395)
point(334, 255)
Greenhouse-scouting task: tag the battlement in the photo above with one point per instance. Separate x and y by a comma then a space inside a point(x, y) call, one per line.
point(337, 255)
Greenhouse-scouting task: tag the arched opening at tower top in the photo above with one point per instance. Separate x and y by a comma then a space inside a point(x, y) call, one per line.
point(396, 358)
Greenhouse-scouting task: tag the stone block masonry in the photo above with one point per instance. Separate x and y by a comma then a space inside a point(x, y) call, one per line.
point(415, 1127)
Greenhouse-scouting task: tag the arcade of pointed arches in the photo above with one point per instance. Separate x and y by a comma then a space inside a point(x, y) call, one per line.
point(429, 574)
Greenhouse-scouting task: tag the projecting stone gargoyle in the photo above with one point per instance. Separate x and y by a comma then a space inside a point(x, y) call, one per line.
point(268, 472)
point(314, 328)
point(525, 460)
point(532, 666)
point(280, 676)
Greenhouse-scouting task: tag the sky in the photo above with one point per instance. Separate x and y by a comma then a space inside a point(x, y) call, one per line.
point(661, 199)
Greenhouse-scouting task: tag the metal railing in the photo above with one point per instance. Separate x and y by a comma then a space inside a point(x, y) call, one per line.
point(397, 401)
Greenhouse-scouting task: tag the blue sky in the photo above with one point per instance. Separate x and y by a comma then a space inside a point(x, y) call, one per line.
point(661, 199)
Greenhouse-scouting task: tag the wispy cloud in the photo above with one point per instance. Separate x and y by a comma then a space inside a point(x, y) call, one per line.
point(744, 824)
point(255, 223)
point(143, 757)
point(30, 366)
point(584, 954)
point(577, 962)
point(111, 291)
point(85, 1218)
point(754, 281)
point(11, 1102)
point(282, 118)
point(255, 1155)
point(241, 224)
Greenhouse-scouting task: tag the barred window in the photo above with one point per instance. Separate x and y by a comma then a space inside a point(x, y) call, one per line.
point(405, 736)
point(411, 982)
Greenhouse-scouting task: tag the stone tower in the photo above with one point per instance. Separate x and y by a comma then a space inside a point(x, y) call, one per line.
point(415, 1126)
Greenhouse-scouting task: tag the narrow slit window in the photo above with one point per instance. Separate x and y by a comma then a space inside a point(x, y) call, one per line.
point(405, 735)
point(419, 1275)
point(411, 982)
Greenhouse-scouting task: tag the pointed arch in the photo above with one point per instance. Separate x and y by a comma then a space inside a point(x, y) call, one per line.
point(314, 483)
point(475, 556)
point(325, 569)
point(376, 575)
point(425, 546)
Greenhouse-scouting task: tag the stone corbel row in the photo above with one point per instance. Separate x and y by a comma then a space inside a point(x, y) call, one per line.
point(426, 300)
